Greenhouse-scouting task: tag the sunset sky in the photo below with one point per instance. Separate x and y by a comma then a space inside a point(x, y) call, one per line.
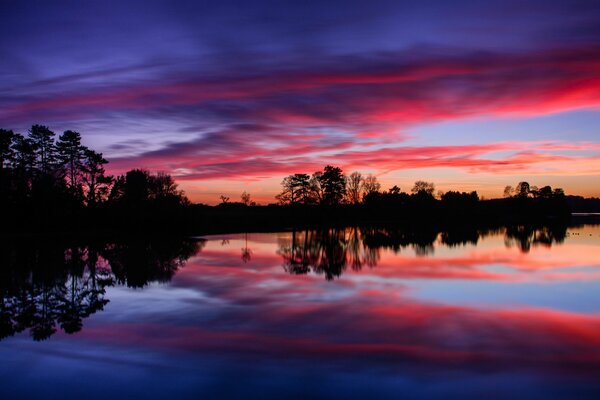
point(231, 96)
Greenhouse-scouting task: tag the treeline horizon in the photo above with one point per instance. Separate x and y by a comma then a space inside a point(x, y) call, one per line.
point(50, 181)
point(54, 181)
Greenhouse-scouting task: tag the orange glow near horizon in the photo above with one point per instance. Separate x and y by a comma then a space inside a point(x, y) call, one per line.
point(263, 191)
point(383, 114)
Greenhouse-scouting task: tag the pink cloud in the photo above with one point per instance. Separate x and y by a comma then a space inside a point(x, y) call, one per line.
point(278, 121)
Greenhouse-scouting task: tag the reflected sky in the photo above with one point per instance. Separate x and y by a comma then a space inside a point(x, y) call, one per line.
point(487, 318)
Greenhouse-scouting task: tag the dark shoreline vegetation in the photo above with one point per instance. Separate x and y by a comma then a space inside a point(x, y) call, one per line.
point(55, 284)
point(51, 184)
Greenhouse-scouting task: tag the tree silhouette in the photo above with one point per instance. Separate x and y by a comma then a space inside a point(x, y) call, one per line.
point(522, 190)
point(42, 139)
point(394, 190)
point(23, 164)
point(6, 149)
point(48, 186)
point(354, 187)
point(246, 199)
point(316, 192)
point(6, 157)
point(371, 185)
point(423, 187)
point(71, 154)
point(296, 188)
point(96, 183)
point(545, 192)
point(163, 186)
point(137, 187)
point(333, 184)
point(24, 156)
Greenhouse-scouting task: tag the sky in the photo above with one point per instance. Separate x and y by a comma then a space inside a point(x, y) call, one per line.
point(232, 96)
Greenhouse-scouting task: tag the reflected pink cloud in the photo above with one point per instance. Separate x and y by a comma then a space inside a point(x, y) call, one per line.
point(232, 96)
point(373, 330)
point(541, 263)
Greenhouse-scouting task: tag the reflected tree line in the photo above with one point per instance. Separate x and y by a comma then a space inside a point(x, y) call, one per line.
point(46, 287)
point(330, 252)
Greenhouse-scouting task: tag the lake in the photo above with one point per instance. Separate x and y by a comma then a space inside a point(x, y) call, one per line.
point(337, 313)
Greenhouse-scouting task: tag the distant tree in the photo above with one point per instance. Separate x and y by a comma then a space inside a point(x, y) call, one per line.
point(71, 154)
point(459, 198)
point(333, 183)
point(316, 193)
point(296, 188)
point(137, 186)
point(522, 190)
point(45, 150)
point(245, 197)
point(162, 185)
point(423, 187)
point(224, 199)
point(164, 188)
point(370, 185)
point(508, 191)
point(394, 190)
point(544, 193)
point(354, 187)
point(117, 191)
point(533, 191)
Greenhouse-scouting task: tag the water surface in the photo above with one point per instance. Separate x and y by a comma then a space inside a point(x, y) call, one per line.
point(339, 313)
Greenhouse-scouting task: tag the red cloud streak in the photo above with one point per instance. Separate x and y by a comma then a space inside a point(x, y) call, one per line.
point(283, 120)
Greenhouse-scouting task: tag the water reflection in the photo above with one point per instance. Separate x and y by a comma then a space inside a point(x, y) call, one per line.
point(427, 314)
point(46, 286)
point(136, 263)
point(329, 252)
point(525, 236)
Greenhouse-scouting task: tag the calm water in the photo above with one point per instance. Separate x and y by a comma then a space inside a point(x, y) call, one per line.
point(346, 314)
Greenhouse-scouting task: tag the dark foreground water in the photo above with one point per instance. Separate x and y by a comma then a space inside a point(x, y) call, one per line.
point(346, 314)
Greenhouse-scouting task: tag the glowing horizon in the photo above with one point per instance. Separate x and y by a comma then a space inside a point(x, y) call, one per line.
point(233, 98)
